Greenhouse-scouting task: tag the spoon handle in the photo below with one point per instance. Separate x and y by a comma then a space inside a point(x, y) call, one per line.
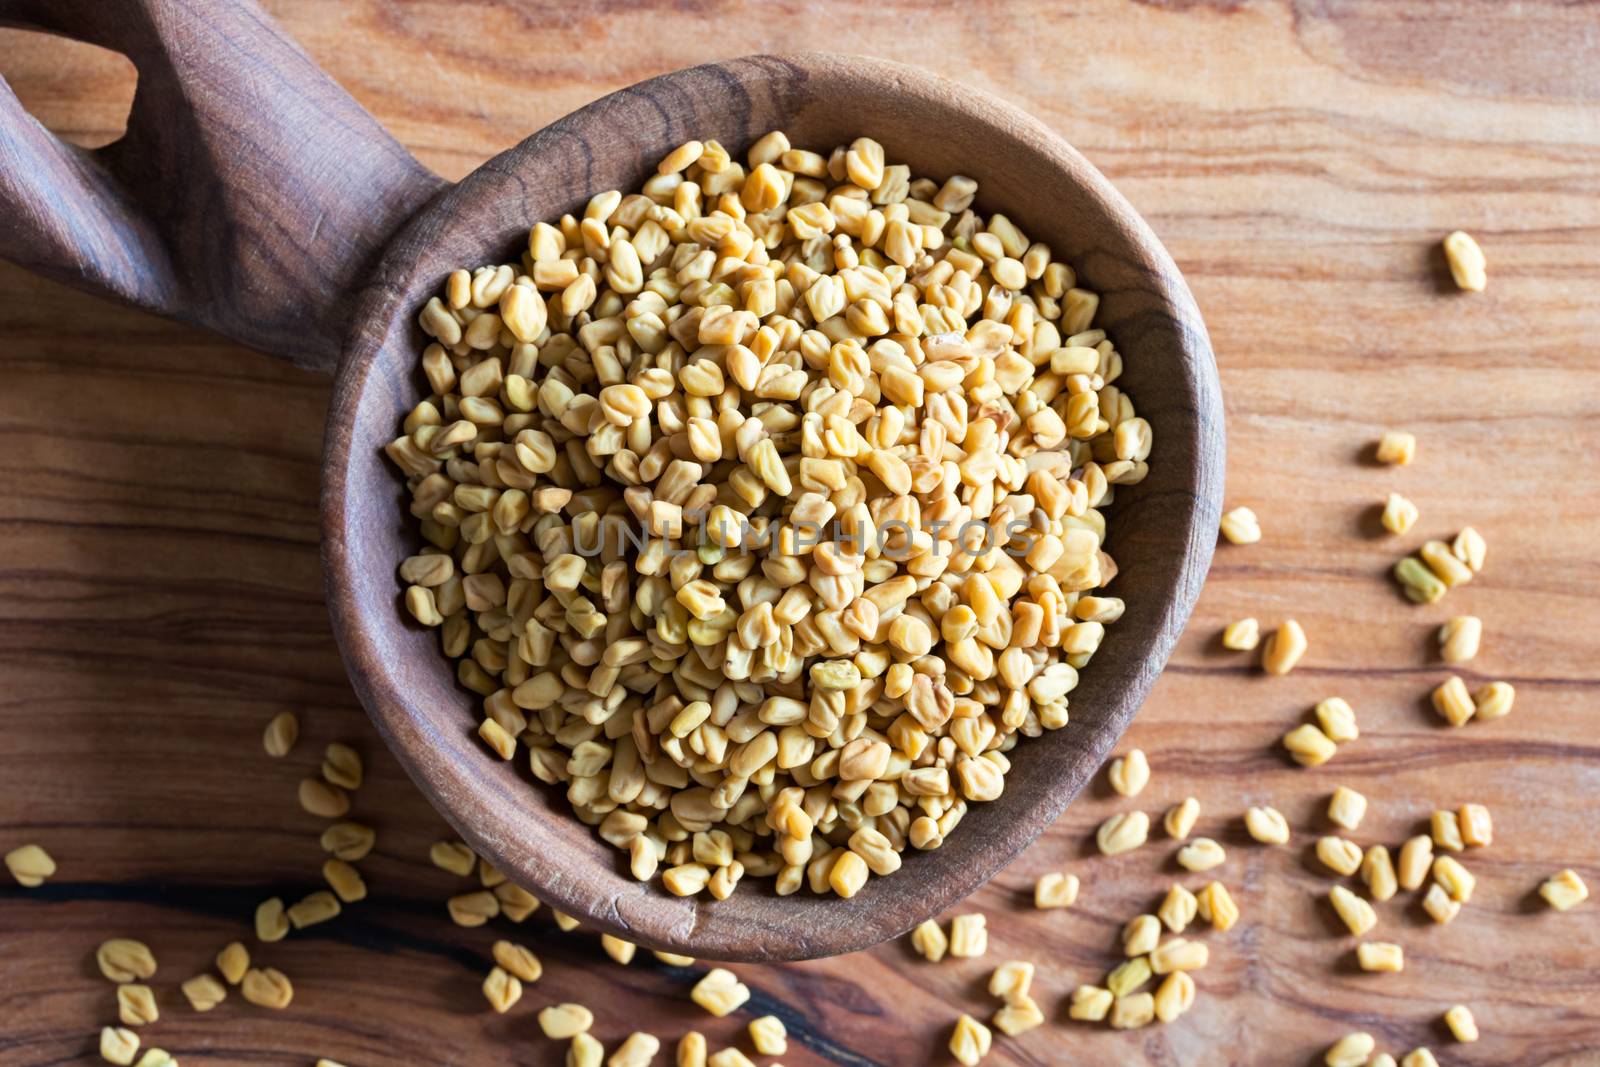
point(250, 194)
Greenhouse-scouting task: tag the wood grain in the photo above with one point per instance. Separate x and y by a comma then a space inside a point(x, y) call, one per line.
point(160, 595)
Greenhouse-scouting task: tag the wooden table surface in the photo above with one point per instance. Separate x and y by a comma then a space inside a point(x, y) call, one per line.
point(160, 597)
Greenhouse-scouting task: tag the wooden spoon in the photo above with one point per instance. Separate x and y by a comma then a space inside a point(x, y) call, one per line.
point(251, 195)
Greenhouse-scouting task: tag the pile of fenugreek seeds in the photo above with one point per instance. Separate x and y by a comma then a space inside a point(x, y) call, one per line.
point(762, 508)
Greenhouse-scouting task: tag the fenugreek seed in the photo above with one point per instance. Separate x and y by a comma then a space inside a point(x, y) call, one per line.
point(502, 989)
point(618, 949)
point(1419, 1057)
point(1463, 1027)
point(344, 880)
point(1399, 514)
point(1309, 746)
point(1475, 825)
point(1129, 774)
point(1467, 264)
point(1456, 879)
point(30, 865)
point(1447, 831)
point(1090, 1003)
point(204, 992)
point(672, 959)
point(316, 908)
point(1174, 996)
point(281, 733)
point(929, 941)
point(1380, 956)
point(585, 1051)
point(272, 921)
point(1133, 1011)
point(969, 1041)
point(1201, 854)
point(729, 1057)
point(1493, 701)
point(1377, 870)
point(1284, 648)
point(517, 961)
point(1459, 638)
point(473, 909)
point(1129, 976)
point(1420, 584)
point(1215, 905)
point(1339, 855)
point(769, 1036)
point(1354, 912)
point(1416, 860)
point(1018, 1015)
point(233, 961)
point(1139, 936)
point(453, 856)
point(1437, 903)
point(685, 880)
point(1242, 636)
point(1563, 890)
point(1443, 563)
point(1178, 909)
point(1055, 890)
point(1351, 1050)
point(136, 1003)
point(348, 841)
point(561, 1021)
point(1470, 548)
point(266, 987)
point(118, 1045)
point(1338, 720)
point(1180, 818)
point(1453, 703)
point(1346, 808)
point(1122, 832)
point(516, 903)
point(160, 1057)
point(1397, 448)
point(1241, 527)
point(341, 766)
point(692, 1049)
point(969, 936)
point(1179, 954)
point(322, 799)
point(720, 992)
point(124, 960)
point(1267, 825)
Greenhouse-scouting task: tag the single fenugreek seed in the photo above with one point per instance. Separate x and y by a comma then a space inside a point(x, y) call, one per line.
point(1420, 585)
point(1443, 563)
point(1018, 1015)
point(281, 733)
point(453, 856)
point(1201, 854)
point(1052, 890)
point(1459, 638)
point(1090, 1003)
point(929, 941)
point(1339, 855)
point(564, 922)
point(1284, 648)
point(160, 1057)
point(692, 1049)
point(1466, 260)
point(1174, 996)
point(638, 1049)
point(1267, 825)
point(1179, 954)
point(1356, 913)
point(1242, 635)
point(1463, 1027)
point(769, 1036)
point(30, 865)
point(473, 909)
point(1133, 1011)
point(314, 908)
point(1241, 527)
point(233, 961)
point(349, 841)
point(136, 1004)
point(267, 987)
point(1455, 878)
point(1419, 1057)
point(516, 903)
point(1447, 831)
point(502, 989)
point(204, 992)
point(1477, 828)
point(1377, 870)
point(1140, 935)
point(1399, 514)
point(1416, 860)
point(1128, 976)
point(122, 959)
point(1215, 905)
point(517, 961)
point(618, 949)
point(561, 1021)
point(1346, 808)
point(272, 922)
point(1493, 701)
point(1178, 909)
point(1397, 447)
point(1012, 978)
point(1564, 889)
point(118, 1045)
point(1351, 1050)
point(341, 766)
point(1382, 956)
point(1180, 818)
point(1122, 832)
point(1453, 703)
point(672, 959)
point(322, 799)
point(1470, 548)
point(1437, 903)
point(969, 935)
point(344, 880)
point(729, 1057)
point(1129, 774)
point(585, 1051)
point(969, 1041)
point(1309, 746)
point(1337, 719)
point(720, 992)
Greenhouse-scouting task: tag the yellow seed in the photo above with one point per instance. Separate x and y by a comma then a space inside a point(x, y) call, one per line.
point(1132, 1012)
point(502, 989)
point(585, 1051)
point(1174, 996)
point(1180, 818)
point(1178, 909)
point(1377, 870)
point(561, 1021)
point(1242, 636)
point(473, 909)
point(30, 865)
point(1139, 936)
point(1309, 746)
point(618, 949)
point(1399, 514)
point(1463, 1027)
point(1357, 914)
point(1284, 648)
point(1564, 889)
point(929, 941)
point(1128, 976)
point(692, 1050)
point(1346, 808)
point(1459, 638)
point(720, 992)
point(341, 766)
point(729, 1057)
point(1444, 564)
point(1215, 905)
point(321, 799)
point(1241, 527)
point(1477, 828)
point(517, 961)
point(1122, 832)
point(1420, 584)
point(769, 1036)
point(1397, 448)
point(969, 936)
point(453, 856)
point(1419, 1057)
point(1453, 703)
point(1494, 700)
point(672, 959)
point(1267, 825)
point(1351, 1050)
point(1201, 854)
point(160, 1057)
point(969, 1041)
point(233, 961)
point(1383, 956)
point(1338, 720)
point(267, 988)
point(1456, 879)
point(1447, 831)
point(1470, 548)
point(1054, 890)
point(848, 874)
point(281, 734)
point(348, 841)
point(1416, 860)
point(136, 1003)
point(1339, 855)
point(1129, 774)
point(1018, 1015)
point(1467, 263)
point(315, 908)
point(272, 922)
point(344, 880)
point(125, 960)
point(1437, 903)
point(204, 992)
point(118, 1045)
point(1179, 954)
point(1090, 1003)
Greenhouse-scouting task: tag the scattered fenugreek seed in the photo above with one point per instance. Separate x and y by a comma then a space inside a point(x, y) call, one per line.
point(1284, 648)
point(692, 1049)
point(1133, 1011)
point(1339, 854)
point(1267, 825)
point(561, 1021)
point(585, 1051)
point(564, 922)
point(969, 1041)
point(1419, 1057)
point(518, 961)
point(1309, 746)
point(341, 766)
point(1179, 954)
point(1356, 913)
point(502, 989)
point(1463, 1027)
point(30, 865)
point(671, 959)
point(969, 936)
point(1443, 563)
point(1455, 878)
point(272, 922)
point(1475, 824)
point(1416, 860)
point(1452, 701)
point(345, 880)
point(1174, 996)
point(122, 959)
point(720, 992)
point(1180, 819)
point(281, 734)
point(314, 908)
point(233, 961)
point(160, 1057)
point(1467, 262)
point(637, 1050)
point(204, 992)
point(118, 1045)
point(1242, 635)
point(1215, 905)
point(1351, 1050)
point(1377, 870)
point(929, 940)
point(136, 1004)
point(1018, 1015)
point(349, 841)
point(1241, 527)
point(1564, 889)
point(1201, 854)
point(1459, 638)
point(1397, 447)
point(1346, 808)
point(1420, 585)
point(1470, 548)
point(453, 856)
point(1129, 774)
point(1447, 831)
point(1090, 1003)
point(618, 949)
point(1128, 976)
point(1493, 701)
point(1399, 514)
point(473, 909)
point(1337, 719)
point(1437, 903)
point(1178, 909)
point(729, 1057)
point(1012, 978)
point(322, 799)
point(1052, 890)
point(1140, 935)
point(267, 987)
point(1380, 956)
point(769, 1036)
